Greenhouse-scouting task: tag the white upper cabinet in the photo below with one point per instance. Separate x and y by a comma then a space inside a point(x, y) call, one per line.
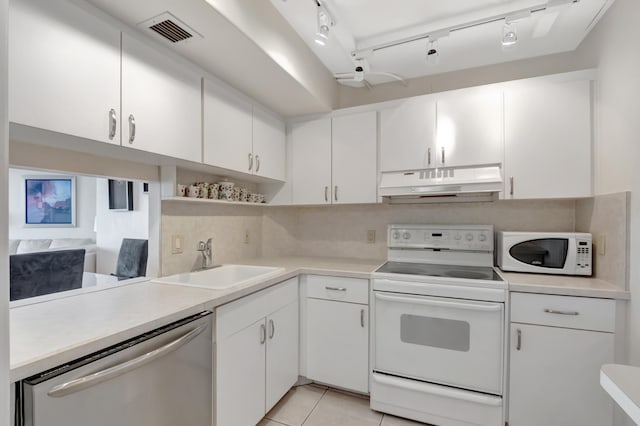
point(161, 103)
point(354, 158)
point(335, 160)
point(469, 128)
point(407, 135)
point(227, 130)
point(269, 150)
point(64, 70)
point(240, 136)
point(548, 141)
point(311, 162)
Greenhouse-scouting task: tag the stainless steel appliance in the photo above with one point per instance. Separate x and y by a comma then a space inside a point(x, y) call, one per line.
point(162, 378)
point(438, 352)
point(545, 252)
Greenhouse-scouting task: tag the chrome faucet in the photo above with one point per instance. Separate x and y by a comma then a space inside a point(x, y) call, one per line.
point(207, 257)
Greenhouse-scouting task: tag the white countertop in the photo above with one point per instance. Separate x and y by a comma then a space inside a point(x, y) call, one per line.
point(563, 285)
point(47, 334)
point(622, 382)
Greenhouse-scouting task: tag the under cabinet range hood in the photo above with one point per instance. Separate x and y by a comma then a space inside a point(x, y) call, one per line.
point(447, 184)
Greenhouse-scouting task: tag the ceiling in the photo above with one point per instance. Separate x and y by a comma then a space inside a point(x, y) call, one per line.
point(265, 48)
point(362, 24)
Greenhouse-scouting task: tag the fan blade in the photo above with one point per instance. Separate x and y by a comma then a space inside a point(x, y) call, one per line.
point(367, 84)
point(344, 75)
point(390, 75)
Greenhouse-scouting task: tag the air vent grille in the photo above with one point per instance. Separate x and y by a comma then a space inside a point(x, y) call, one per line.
point(172, 32)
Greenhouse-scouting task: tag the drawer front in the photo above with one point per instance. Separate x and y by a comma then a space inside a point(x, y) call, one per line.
point(237, 315)
point(564, 311)
point(354, 290)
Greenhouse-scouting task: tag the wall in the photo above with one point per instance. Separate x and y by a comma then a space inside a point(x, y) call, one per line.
point(226, 225)
point(85, 208)
point(4, 219)
point(340, 231)
point(113, 226)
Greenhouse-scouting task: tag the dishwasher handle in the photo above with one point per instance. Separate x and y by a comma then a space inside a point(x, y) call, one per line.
point(117, 370)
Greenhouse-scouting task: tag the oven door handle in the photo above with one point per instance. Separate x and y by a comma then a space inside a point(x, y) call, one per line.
point(440, 303)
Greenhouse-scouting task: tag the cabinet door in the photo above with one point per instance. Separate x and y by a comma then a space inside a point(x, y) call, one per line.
point(163, 97)
point(311, 162)
point(268, 145)
point(407, 135)
point(354, 158)
point(554, 377)
point(548, 141)
point(469, 128)
point(240, 377)
point(282, 352)
point(338, 344)
point(227, 130)
point(64, 69)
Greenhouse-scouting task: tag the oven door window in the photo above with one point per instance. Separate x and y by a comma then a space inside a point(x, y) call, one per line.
point(435, 332)
point(546, 253)
point(440, 340)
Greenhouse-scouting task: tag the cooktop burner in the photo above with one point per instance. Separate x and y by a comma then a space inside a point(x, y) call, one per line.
point(435, 270)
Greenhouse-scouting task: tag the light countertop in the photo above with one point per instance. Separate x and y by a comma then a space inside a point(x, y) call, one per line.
point(47, 334)
point(563, 285)
point(622, 383)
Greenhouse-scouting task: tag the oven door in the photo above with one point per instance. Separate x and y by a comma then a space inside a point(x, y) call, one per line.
point(453, 342)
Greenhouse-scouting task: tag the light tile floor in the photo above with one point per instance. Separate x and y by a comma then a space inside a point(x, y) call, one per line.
point(314, 405)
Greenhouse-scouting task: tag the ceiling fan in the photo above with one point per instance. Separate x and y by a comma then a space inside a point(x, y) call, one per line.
point(358, 77)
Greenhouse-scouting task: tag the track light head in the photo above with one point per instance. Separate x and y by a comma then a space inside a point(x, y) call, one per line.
point(324, 23)
point(509, 34)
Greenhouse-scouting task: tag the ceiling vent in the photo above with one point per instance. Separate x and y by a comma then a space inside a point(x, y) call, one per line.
point(170, 28)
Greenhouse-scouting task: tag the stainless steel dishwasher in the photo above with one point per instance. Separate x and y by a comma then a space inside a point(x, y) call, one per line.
point(161, 378)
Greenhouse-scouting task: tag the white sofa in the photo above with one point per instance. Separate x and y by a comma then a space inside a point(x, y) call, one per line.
point(37, 245)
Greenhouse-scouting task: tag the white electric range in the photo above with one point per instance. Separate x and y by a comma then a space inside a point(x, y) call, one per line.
point(438, 316)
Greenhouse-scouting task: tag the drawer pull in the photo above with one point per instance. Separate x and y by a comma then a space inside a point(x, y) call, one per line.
point(336, 288)
point(553, 311)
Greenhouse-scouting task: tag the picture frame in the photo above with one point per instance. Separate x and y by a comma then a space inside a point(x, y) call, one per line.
point(120, 195)
point(50, 201)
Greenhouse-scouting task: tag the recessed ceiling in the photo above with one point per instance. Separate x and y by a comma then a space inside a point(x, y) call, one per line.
point(555, 26)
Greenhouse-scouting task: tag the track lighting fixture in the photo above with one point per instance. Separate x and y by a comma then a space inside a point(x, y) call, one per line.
point(324, 23)
point(509, 34)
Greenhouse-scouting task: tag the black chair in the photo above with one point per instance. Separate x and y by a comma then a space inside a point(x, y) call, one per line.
point(132, 259)
point(36, 274)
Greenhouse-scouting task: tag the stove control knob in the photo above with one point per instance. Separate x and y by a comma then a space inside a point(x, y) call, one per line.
point(469, 237)
point(396, 235)
point(458, 237)
point(406, 235)
point(482, 237)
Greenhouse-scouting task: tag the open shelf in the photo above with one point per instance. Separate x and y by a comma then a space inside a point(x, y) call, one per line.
point(211, 201)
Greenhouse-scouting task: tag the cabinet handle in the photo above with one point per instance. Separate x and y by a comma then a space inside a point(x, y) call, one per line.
point(362, 318)
point(326, 194)
point(132, 128)
point(428, 156)
point(263, 334)
point(257, 163)
point(335, 288)
point(553, 311)
point(443, 155)
point(113, 122)
point(335, 192)
point(272, 329)
point(511, 185)
point(519, 340)
point(250, 161)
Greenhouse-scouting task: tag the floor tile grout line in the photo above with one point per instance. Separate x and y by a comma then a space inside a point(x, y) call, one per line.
point(324, 392)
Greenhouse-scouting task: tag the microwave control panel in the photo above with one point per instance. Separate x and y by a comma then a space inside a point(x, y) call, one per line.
point(583, 255)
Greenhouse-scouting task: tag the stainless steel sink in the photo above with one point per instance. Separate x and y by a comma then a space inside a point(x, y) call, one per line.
point(222, 277)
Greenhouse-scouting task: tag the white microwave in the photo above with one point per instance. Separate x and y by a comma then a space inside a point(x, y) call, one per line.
point(545, 252)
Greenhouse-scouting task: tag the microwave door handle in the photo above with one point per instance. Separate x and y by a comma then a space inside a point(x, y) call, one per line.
point(442, 304)
point(117, 370)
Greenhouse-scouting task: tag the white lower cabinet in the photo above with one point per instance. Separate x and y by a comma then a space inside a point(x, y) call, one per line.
point(337, 332)
point(256, 356)
point(554, 370)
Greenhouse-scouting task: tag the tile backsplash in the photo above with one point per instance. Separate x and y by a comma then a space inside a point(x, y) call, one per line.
point(341, 231)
